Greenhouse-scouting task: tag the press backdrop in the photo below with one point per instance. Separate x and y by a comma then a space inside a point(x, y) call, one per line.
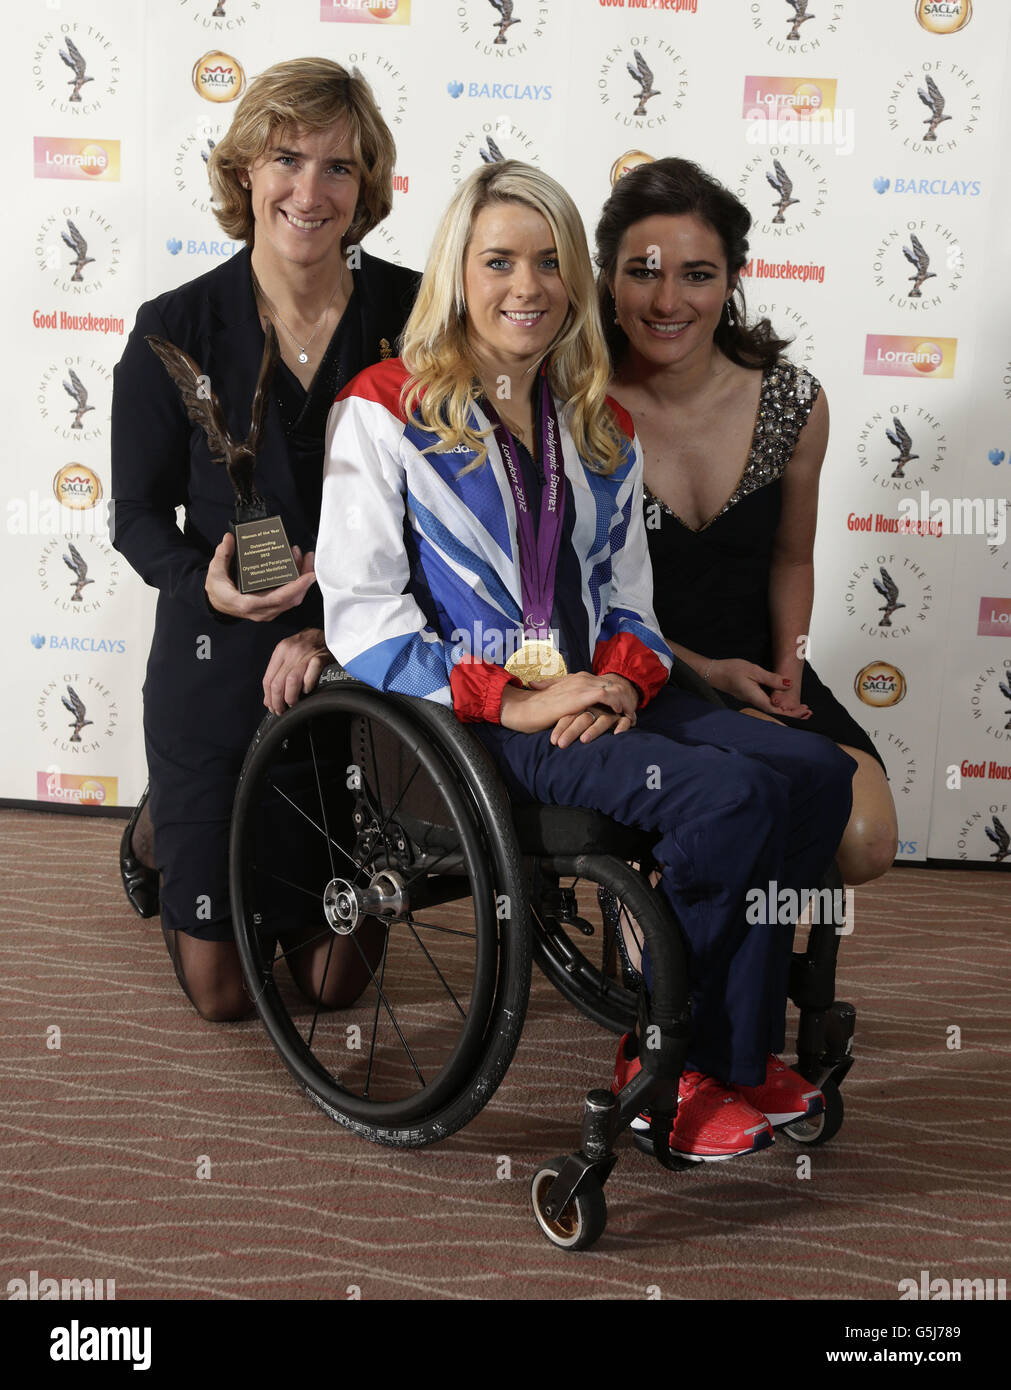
point(117, 103)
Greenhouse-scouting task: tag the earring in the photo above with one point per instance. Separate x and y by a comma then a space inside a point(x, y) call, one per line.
point(730, 312)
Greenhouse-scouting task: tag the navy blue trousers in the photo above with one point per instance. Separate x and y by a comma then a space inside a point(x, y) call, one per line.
point(738, 803)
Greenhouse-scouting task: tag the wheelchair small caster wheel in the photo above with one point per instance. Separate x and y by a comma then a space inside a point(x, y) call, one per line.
point(582, 1222)
point(824, 1126)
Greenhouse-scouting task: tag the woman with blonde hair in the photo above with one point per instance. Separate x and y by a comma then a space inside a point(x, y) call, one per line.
point(482, 545)
point(303, 174)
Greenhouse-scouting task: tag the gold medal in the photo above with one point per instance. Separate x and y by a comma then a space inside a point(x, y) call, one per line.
point(537, 661)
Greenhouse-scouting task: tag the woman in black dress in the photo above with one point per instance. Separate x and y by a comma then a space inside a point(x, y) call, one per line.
point(734, 437)
point(304, 172)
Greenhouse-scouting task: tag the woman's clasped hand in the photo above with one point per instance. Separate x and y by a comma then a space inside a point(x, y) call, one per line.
point(579, 706)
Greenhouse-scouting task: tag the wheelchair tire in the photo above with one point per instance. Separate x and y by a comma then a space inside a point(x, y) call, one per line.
point(582, 1222)
point(824, 1126)
point(581, 972)
point(446, 1000)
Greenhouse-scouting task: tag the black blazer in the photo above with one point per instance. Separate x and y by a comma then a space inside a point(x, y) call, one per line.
point(160, 462)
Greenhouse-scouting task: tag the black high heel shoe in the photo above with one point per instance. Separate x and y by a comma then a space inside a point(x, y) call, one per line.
point(611, 913)
point(139, 881)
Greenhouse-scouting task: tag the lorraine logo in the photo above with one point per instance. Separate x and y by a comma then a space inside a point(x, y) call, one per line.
point(772, 98)
point(795, 27)
point(72, 789)
point(79, 573)
point(934, 256)
point(502, 28)
point(933, 109)
point(365, 11)
point(59, 158)
point(943, 16)
point(78, 249)
point(77, 487)
point(490, 143)
point(887, 354)
point(73, 398)
point(880, 684)
point(788, 186)
point(77, 713)
point(388, 84)
point(641, 83)
point(899, 447)
point(628, 161)
point(994, 617)
point(76, 67)
point(889, 597)
point(218, 76)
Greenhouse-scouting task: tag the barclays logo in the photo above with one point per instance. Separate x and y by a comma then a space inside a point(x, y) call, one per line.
point(959, 188)
point(996, 457)
point(500, 91)
point(193, 247)
point(109, 645)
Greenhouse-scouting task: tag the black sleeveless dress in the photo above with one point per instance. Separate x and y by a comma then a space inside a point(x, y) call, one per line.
point(711, 586)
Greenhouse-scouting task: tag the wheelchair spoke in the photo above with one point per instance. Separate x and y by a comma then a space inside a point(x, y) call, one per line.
point(375, 1016)
point(386, 1006)
point(432, 963)
point(428, 866)
point(393, 812)
point(321, 936)
point(305, 815)
point(269, 873)
point(450, 931)
point(322, 807)
point(319, 996)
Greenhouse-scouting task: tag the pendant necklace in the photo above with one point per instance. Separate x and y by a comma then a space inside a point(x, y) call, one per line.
point(303, 352)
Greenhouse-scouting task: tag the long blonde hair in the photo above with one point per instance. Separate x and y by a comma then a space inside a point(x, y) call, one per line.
point(443, 386)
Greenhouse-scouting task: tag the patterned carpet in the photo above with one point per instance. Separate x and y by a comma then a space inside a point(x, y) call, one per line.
point(103, 1138)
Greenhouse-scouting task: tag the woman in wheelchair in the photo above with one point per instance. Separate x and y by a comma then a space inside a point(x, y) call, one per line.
point(482, 545)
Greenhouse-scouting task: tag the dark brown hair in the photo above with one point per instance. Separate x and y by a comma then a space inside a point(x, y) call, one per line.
point(671, 188)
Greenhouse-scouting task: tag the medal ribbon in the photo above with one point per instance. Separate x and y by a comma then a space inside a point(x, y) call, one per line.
point(538, 551)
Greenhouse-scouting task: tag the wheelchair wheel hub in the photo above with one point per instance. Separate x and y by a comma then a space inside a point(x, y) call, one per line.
point(345, 904)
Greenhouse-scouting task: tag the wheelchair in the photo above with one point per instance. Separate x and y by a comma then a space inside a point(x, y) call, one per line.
point(380, 819)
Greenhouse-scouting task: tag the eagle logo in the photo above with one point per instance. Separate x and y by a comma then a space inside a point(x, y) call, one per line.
point(643, 77)
point(77, 708)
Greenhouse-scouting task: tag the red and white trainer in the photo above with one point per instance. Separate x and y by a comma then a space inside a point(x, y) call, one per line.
point(784, 1096)
point(713, 1121)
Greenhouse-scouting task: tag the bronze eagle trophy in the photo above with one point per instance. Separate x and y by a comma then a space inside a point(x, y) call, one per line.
point(263, 555)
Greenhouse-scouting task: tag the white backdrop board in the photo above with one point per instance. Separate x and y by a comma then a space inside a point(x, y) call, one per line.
point(110, 206)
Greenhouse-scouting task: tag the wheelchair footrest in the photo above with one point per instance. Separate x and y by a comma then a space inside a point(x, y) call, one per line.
point(825, 1042)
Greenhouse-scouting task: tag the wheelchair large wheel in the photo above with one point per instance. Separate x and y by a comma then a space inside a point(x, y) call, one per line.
point(370, 832)
point(578, 904)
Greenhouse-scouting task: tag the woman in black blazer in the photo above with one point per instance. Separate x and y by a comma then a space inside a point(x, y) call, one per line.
point(304, 172)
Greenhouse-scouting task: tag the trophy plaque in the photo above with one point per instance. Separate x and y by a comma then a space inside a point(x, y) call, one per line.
point(263, 558)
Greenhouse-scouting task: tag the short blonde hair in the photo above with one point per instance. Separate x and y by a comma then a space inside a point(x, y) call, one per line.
point(442, 385)
point(306, 94)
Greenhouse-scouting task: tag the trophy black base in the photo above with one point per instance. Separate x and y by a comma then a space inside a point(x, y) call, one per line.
point(263, 558)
